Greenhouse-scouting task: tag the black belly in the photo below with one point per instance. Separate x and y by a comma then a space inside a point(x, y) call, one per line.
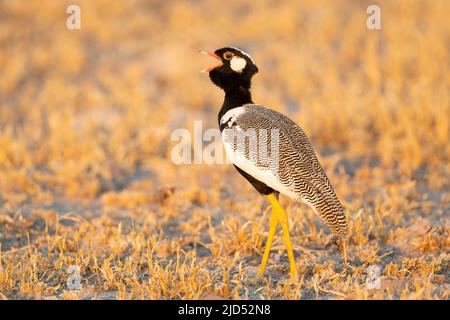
point(261, 187)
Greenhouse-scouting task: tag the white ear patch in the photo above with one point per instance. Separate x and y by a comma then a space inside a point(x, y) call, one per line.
point(238, 64)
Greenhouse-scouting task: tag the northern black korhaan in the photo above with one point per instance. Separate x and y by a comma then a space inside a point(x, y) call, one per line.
point(294, 172)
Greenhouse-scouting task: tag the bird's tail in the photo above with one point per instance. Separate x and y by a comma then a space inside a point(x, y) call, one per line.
point(332, 213)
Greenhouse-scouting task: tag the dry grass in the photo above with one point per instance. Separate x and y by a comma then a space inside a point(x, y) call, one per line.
point(86, 177)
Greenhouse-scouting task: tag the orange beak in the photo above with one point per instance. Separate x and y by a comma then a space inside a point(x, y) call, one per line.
point(212, 54)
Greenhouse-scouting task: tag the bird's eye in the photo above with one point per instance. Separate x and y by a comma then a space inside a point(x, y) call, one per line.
point(228, 55)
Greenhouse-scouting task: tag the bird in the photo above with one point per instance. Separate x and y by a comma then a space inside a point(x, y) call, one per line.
point(289, 166)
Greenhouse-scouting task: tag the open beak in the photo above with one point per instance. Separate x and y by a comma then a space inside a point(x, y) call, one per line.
point(212, 54)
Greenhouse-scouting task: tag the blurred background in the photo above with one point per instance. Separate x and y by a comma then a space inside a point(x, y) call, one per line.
point(86, 118)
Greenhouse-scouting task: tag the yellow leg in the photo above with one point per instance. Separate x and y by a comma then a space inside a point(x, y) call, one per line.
point(287, 241)
point(273, 227)
point(278, 215)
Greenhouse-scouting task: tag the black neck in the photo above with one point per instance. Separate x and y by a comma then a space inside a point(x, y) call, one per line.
point(235, 97)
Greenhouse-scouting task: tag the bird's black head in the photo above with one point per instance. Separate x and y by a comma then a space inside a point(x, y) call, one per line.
point(235, 70)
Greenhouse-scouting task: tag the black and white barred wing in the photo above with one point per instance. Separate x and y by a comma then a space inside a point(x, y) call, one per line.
point(274, 150)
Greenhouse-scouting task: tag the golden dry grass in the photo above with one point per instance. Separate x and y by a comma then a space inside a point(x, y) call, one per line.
point(86, 177)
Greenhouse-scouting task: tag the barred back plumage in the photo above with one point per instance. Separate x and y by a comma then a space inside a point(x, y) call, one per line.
point(298, 173)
